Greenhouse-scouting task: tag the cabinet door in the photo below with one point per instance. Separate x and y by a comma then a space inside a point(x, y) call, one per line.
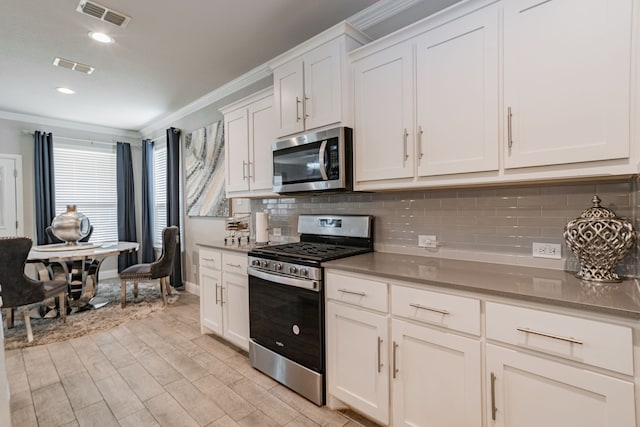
point(566, 81)
point(210, 299)
point(357, 362)
point(237, 147)
point(437, 377)
point(322, 85)
point(288, 98)
point(262, 134)
point(457, 96)
point(236, 310)
point(383, 115)
point(530, 391)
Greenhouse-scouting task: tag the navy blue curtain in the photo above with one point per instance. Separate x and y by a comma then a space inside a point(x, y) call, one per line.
point(173, 197)
point(147, 253)
point(45, 188)
point(126, 204)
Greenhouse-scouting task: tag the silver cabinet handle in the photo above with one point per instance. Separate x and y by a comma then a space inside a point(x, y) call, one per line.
point(405, 136)
point(217, 299)
point(304, 106)
point(244, 174)
point(208, 259)
point(347, 291)
point(298, 118)
point(249, 169)
point(420, 132)
point(395, 367)
point(555, 337)
point(435, 310)
point(379, 358)
point(509, 128)
point(234, 265)
point(321, 159)
point(493, 397)
point(221, 295)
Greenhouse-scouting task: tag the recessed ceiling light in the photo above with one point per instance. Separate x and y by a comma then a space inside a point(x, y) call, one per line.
point(101, 37)
point(65, 90)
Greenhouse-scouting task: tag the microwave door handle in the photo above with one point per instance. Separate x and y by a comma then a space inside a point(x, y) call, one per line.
point(323, 149)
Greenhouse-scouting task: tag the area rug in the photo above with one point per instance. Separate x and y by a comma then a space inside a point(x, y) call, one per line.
point(80, 323)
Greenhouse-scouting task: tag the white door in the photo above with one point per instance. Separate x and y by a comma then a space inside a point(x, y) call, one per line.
point(211, 299)
point(236, 309)
point(10, 196)
point(384, 115)
point(566, 81)
point(237, 147)
point(262, 134)
point(322, 86)
point(530, 391)
point(357, 361)
point(437, 378)
point(457, 96)
point(288, 98)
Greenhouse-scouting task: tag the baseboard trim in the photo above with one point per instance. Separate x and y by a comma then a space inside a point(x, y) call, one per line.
point(192, 288)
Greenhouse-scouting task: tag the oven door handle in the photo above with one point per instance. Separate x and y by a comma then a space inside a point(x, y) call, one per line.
point(313, 285)
point(321, 159)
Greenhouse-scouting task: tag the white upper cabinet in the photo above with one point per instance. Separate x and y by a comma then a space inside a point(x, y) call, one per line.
point(457, 96)
point(567, 81)
point(249, 133)
point(310, 82)
point(383, 86)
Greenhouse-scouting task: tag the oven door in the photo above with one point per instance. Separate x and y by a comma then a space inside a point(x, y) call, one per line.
point(286, 315)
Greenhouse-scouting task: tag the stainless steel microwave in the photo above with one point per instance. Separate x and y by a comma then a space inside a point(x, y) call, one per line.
point(313, 162)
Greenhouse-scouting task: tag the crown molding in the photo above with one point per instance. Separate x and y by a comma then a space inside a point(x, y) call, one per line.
point(378, 12)
point(67, 124)
point(253, 76)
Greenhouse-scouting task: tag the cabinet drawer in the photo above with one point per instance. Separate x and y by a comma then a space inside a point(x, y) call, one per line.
point(587, 341)
point(358, 291)
point(449, 311)
point(210, 258)
point(234, 263)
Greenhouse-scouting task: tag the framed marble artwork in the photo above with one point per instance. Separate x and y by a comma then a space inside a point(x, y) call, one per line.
point(204, 172)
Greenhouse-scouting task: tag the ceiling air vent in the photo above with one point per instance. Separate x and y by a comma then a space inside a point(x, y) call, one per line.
point(103, 13)
point(72, 65)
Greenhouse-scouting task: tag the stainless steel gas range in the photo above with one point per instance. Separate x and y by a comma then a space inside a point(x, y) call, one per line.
point(286, 299)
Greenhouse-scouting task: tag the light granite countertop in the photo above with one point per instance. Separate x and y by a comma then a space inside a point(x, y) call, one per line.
point(555, 287)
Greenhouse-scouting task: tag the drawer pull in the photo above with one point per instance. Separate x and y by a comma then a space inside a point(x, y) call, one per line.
point(435, 310)
point(208, 259)
point(234, 265)
point(555, 337)
point(347, 291)
point(379, 358)
point(493, 397)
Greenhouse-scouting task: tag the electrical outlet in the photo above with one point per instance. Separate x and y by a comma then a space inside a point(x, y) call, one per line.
point(427, 241)
point(277, 232)
point(547, 250)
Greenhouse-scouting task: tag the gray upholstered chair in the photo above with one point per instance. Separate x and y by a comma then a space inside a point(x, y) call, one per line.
point(159, 269)
point(18, 290)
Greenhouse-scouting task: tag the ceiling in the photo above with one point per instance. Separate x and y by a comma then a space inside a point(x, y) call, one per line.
point(168, 55)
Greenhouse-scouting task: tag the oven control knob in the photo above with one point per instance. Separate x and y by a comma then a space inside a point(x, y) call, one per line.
point(256, 262)
point(304, 272)
point(265, 263)
point(293, 270)
point(278, 267)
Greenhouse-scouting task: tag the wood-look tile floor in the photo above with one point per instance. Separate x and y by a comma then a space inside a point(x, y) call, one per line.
point(156, 371)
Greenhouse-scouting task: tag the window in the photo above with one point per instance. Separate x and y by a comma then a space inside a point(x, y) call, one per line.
point(85, 176)
point(159, 192)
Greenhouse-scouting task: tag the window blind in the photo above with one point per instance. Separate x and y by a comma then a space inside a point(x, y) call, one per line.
point(85, 176)
point(159, 192)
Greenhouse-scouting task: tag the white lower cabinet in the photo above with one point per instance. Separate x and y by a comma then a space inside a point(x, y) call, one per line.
point(224, 295)
point(436, 377)
point(409, 355)
point(358, 372)
point(528, 391)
